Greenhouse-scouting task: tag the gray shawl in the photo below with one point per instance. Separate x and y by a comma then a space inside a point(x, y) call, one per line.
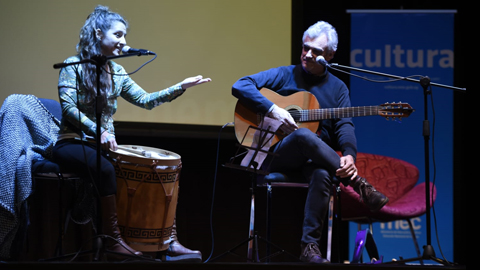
point(28, 132)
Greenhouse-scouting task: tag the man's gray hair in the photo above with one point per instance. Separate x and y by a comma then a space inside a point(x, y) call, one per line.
point(321, 28)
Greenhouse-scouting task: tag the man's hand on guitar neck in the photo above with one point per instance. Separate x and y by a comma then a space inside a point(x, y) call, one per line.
point(288, 123)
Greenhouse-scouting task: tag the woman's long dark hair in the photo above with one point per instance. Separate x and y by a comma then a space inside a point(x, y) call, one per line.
point(89, 45)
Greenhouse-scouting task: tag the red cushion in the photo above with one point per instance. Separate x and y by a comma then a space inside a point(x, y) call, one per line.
point(393, 177)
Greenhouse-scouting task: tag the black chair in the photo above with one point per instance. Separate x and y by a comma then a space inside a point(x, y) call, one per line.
point(47, 174)
point(276, 180)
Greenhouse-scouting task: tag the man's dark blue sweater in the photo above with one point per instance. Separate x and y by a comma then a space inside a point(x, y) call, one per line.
point(330, 92)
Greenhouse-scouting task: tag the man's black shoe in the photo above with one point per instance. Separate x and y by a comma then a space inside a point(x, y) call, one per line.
point(369, 195)
point(311, 254)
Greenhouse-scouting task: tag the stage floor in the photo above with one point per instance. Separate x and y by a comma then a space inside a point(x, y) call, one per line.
point(215, 266)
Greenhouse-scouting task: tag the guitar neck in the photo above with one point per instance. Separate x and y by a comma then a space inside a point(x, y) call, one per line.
point(330, 113)
point(305, 110)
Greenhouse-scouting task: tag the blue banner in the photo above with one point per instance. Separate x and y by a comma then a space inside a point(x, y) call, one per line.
point(407, 43)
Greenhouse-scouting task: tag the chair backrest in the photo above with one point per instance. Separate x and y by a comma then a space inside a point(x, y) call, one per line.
point(45, 165)
point(391, 176)
point(53, 106)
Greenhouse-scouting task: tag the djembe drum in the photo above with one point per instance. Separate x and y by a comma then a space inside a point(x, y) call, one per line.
point(147, 194)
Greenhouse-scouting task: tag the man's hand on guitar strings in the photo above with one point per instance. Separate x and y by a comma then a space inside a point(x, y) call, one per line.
point(288, 123)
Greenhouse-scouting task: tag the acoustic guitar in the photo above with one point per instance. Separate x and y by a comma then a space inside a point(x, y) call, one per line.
point(305, 110)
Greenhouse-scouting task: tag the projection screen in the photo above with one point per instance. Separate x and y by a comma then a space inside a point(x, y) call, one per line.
point(220, 39)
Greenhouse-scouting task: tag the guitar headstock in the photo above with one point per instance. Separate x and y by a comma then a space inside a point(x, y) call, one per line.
point(395, 110)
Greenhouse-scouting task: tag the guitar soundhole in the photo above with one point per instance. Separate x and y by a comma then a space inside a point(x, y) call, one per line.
point(294, 111)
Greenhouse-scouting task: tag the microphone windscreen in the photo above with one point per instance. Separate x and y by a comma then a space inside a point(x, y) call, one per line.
point(321, 60)
point(125, 49)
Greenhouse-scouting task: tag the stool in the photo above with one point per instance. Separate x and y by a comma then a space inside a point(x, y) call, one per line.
point(280, 180)
point(46, 170)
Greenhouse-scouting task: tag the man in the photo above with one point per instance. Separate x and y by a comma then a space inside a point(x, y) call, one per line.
point(303, 147)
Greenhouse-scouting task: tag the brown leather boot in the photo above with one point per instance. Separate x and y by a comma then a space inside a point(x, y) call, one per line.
point(110, 227)
point(177, 252)
point(368, 194)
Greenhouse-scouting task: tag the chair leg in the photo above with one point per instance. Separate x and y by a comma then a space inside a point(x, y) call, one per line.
point(269, 216)
point(61, 233)
point(330, 226)
point(251, 232)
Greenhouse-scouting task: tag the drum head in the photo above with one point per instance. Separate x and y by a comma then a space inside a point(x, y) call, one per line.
point(145, 155)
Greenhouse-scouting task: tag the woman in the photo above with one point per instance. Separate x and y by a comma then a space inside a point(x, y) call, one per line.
point(104, 33)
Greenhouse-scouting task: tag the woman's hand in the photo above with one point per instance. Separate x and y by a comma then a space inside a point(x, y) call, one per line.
point(347, 168)
point(108, 141)
point(193, 81)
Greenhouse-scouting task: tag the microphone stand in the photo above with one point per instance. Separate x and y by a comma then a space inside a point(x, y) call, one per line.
point(99, 61)
point(428, 252)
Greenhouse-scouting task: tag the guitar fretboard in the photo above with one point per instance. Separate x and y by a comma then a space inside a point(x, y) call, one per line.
point(329, 113)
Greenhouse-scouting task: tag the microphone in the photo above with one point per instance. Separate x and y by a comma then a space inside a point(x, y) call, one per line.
point(128, 49)
point(321, 60)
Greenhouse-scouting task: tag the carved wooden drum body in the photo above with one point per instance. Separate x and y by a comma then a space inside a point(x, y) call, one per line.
point(147, 195)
